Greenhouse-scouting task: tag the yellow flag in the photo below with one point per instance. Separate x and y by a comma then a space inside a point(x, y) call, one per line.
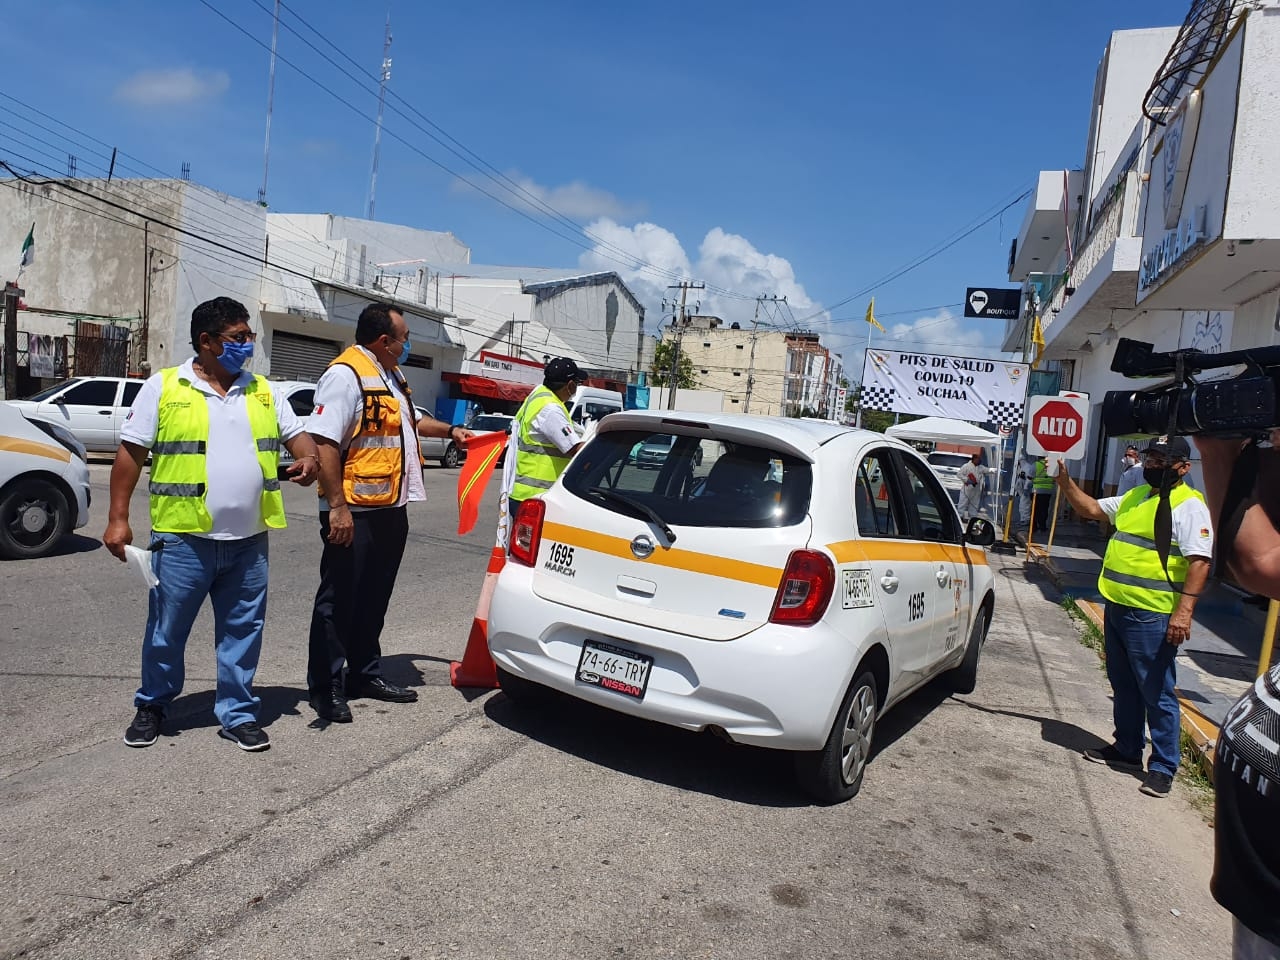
point(871, 315)
point(1037, 339)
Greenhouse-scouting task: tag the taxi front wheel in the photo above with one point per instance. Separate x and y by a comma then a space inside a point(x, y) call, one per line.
point(33, 517)
point(834, 773)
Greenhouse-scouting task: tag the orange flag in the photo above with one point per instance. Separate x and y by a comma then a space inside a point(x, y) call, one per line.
point(483, 451)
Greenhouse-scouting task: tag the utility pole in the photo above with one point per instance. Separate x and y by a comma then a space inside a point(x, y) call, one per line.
point(751, 362)
point(11, 294)
point(382, 99)
point(684, 286)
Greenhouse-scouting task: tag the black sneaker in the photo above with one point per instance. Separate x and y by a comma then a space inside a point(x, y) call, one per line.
point(247, 736)
point(1113, 758)
point(145, 729)
point(1157, 784)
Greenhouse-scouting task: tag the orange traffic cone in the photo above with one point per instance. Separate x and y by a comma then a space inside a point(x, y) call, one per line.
point(476, 668)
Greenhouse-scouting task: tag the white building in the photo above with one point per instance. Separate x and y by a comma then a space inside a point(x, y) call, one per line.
point(1176, 238)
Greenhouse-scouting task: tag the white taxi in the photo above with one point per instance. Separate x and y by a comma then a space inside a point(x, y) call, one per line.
point(44, 484)
point(780, 582)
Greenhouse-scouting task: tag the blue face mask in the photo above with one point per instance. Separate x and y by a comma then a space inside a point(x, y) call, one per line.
point(404, 352)
point(234, 356)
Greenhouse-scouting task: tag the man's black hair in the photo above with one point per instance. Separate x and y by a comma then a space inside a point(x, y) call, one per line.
point(375, 320)
point(214, 316)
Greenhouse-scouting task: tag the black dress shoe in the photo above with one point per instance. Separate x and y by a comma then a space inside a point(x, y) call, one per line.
point(332, 706)
point(379, 689)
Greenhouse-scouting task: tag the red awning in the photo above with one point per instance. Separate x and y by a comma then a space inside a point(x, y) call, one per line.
point(485, 387)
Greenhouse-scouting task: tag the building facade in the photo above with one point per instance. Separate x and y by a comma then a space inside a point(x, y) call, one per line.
point(1175, 238)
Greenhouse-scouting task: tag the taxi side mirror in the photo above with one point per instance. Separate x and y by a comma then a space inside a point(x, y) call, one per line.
point(980, 532)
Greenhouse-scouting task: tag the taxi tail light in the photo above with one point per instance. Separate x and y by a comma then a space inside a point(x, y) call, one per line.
point(806, 588)
point(526, 532)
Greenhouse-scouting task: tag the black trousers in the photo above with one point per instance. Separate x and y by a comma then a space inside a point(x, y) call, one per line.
point(351, 605)
point(1044, 503)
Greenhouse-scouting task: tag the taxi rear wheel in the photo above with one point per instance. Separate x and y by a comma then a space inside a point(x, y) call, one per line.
point(33, 517)
point(834, 773)
point(520, 690)
point(964, 678)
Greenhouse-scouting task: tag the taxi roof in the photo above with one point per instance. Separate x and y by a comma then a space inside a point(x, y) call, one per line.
point(800, 437)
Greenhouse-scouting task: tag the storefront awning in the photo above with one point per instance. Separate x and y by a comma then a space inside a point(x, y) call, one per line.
point(475, 386)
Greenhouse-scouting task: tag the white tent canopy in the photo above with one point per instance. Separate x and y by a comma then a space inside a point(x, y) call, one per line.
point(943, 430)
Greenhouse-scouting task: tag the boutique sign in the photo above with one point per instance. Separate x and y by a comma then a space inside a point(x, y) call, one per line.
point(1162, 260)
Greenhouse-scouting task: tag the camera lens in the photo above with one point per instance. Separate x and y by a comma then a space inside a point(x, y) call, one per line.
point(1125, 412)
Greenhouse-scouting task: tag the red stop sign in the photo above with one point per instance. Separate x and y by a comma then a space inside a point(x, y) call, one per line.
point(1057, 426)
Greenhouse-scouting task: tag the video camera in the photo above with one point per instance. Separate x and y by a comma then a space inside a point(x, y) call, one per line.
point(1242, 405)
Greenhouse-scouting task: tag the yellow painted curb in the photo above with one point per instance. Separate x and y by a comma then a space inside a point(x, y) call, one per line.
point(1203, 734)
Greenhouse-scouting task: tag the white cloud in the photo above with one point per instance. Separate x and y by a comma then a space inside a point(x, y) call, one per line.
point(576, 200)
point(942, 331)
point(171, 87)
point(725, 260)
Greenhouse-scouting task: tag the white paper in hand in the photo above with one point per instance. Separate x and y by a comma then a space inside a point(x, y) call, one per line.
point(140, 560)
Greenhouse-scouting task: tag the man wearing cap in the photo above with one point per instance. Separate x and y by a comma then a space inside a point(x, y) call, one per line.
point(543, 434)
point(1156, 565)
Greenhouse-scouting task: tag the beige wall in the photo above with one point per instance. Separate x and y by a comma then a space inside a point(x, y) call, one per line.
point(724, 365)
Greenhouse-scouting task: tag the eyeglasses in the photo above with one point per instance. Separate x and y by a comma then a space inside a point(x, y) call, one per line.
point(238, 337)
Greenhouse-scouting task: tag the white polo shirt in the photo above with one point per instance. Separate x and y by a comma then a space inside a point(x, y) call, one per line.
point(339, 403)
point(233, 494)
point(1192, 529)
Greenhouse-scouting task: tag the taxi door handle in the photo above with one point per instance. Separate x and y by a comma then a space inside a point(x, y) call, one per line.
point(944, 578)
point(889, 582)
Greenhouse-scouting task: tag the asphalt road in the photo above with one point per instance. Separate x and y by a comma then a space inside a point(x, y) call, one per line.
point(459, 827)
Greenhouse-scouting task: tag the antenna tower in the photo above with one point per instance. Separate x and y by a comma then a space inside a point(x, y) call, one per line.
point(382, 99)
point(271, 95)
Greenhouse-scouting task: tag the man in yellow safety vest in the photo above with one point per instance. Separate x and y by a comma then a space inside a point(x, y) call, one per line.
point(543, 435)
point(1155, 567)
point(213, 431)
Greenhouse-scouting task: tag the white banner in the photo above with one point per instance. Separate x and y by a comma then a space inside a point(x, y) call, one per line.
point(40, 359)
point(963, 388)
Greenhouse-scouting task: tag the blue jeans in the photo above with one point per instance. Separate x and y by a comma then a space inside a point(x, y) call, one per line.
point(1140, 666)
point(233, 575)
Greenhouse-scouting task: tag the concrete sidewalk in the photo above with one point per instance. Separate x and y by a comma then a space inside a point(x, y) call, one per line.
point(1215, 666)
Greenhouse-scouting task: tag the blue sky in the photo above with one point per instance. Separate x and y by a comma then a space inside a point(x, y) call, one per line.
point(806, 150)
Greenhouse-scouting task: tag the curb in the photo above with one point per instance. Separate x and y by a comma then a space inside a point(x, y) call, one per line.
point(1200, 730)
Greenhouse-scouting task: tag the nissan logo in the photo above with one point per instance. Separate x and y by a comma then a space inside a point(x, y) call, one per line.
point(642, 546)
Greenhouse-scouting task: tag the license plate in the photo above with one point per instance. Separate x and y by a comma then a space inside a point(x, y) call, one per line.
point(622, 671)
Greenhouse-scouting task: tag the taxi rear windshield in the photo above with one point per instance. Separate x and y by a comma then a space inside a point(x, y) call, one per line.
point(690, 481)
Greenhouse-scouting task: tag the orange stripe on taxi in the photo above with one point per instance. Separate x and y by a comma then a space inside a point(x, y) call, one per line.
point(17, 445)
point(675, 558)
point(852, 551)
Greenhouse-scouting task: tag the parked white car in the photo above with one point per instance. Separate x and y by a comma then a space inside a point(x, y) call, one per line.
point(785, 593)
point(44, 484)
point(92, 408)
point(947, 465)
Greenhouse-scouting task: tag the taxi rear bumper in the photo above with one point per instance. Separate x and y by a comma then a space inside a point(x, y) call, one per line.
point(777, 686)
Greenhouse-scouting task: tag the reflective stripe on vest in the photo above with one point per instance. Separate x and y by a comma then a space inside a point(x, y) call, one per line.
point(179, 470)
point(373, 465)
point(538, 464)
point(1131, 571)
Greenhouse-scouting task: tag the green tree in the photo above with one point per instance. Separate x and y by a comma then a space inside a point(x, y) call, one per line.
point(660, 371)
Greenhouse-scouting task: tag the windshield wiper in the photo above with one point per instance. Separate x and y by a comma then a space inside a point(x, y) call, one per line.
point(637, 505)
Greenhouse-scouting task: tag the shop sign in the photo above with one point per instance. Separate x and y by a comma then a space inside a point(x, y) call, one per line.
point(1173, 246)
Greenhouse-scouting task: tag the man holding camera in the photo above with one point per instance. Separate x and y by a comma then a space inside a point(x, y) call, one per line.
point(1246, 870)
point(1156, 565)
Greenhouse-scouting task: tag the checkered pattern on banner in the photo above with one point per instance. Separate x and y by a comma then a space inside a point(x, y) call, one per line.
point(1004, 413)
point(876, 397)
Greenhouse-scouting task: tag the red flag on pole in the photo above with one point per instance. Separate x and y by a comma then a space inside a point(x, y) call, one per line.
point(483, 451)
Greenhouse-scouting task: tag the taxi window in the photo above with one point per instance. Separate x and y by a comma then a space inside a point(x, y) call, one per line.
point(872, 498)
point(928, 507)
point(692, 481)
